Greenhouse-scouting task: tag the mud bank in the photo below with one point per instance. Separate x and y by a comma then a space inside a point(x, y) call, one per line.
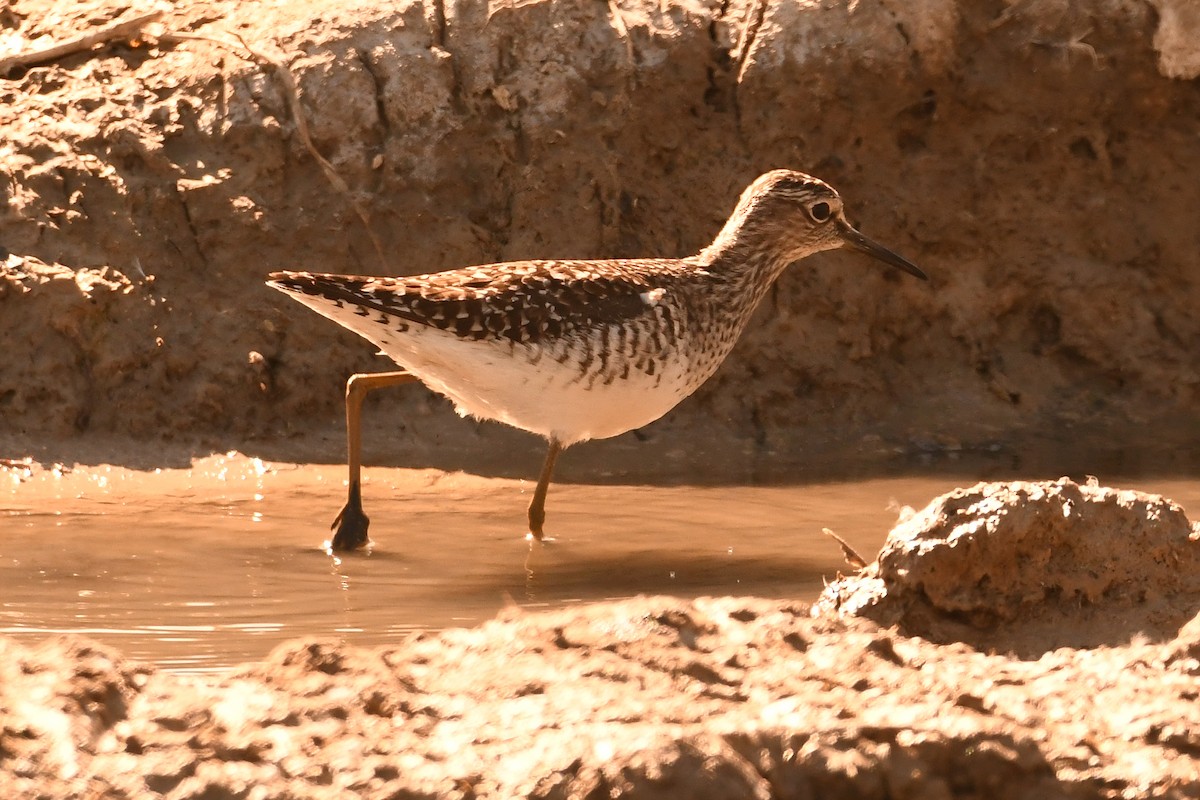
point(1037, 160)
point(953, 666)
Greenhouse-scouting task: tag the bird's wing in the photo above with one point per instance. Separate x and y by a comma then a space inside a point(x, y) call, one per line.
point(526, 302)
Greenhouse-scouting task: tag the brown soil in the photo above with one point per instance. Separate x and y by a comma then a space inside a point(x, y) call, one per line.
point(1037, 159)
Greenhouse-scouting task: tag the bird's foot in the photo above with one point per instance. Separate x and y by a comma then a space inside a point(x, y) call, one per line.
point(350, 525)
point(537, 532)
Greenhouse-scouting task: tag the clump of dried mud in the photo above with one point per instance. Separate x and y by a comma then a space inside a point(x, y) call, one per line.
point(1035, 159)
point(1030, 567)
point(717, 697)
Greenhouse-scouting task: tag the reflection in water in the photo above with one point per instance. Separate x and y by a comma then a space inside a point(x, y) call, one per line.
point(200, 569)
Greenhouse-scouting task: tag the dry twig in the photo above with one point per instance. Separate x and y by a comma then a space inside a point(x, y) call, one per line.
point(116, 32)
point(849, 553)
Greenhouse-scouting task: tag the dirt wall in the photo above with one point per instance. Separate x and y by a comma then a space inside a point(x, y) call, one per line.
point(1038, 160)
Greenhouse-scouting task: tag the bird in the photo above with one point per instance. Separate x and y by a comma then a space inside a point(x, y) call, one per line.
point(573, 350)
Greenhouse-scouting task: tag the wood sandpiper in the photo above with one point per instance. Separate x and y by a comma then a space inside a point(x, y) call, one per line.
point(576, 350)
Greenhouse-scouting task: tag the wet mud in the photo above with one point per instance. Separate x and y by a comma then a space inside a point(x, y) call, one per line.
point(199, 569)
point(959, 693)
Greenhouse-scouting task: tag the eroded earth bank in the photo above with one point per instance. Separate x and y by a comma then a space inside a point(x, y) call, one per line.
point(1038, 160)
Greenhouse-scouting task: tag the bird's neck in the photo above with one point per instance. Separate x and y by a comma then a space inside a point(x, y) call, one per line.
point(743, 258)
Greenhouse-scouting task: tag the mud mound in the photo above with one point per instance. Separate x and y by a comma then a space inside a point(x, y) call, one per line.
point(1030, 567)
point(717, 697)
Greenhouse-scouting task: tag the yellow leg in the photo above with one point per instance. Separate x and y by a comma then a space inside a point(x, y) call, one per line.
point(537, 507)
point(350, 525)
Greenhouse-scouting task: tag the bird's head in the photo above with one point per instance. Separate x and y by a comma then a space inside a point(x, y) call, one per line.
point(796, 215)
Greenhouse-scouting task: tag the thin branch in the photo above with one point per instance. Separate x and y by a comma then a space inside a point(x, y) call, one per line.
point(118, 31)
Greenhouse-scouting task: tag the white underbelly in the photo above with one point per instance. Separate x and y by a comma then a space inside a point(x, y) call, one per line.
point(513, 384)
point(506, 383)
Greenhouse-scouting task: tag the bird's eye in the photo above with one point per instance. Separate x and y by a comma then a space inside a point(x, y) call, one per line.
point(819, 211)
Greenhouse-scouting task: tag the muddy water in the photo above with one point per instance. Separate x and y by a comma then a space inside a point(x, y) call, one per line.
point(198, 569)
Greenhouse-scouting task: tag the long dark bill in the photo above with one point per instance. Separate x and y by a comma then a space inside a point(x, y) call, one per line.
point(859, 242)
